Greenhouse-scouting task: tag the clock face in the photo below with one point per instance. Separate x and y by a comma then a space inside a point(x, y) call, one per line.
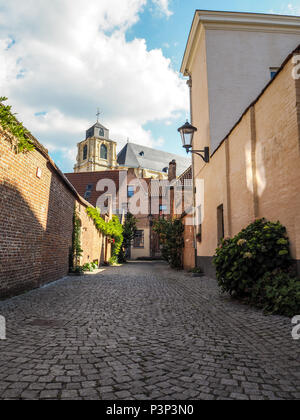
point(101, 132)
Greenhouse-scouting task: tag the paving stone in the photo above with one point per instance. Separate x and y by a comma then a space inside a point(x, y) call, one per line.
point(143, 331)
point(49, 394)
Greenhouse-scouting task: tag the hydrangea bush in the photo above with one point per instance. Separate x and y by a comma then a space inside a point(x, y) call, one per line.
point(260, 248)
point(256, 265)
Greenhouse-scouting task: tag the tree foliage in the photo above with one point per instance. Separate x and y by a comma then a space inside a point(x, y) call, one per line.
point(9, 122)
point(170, 233)
point(76, 250)
point(129, 232)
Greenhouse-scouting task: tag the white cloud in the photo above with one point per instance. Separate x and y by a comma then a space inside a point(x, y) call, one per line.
point(294, 10)
point(288, 9)
point(71, 57)
point(163, 5)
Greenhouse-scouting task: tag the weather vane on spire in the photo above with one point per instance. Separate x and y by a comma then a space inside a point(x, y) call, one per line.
point(98, 114)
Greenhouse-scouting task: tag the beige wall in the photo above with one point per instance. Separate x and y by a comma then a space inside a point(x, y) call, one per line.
point(256, 172)
point(199, 102)
point(277, 155)
point(189, 249)
point(229, 56)
point(142, 252)
point(238, 67)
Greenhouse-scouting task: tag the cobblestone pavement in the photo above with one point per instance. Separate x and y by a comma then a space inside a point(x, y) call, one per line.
point(140, 332)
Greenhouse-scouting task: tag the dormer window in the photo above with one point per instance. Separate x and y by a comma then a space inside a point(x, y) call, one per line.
point(103, 152)
point(85, 152)
point(165, 170)
point(101, 132)
point(273, 71)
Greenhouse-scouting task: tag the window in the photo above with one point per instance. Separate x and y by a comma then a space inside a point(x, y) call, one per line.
point(88, 191)
point(103, 152)
point(138, 241)
point(130, 191)
point(85, 152)
point(101, 132)
point(273, 71)
point(162, 209)
point(220, 218)
point(165, 170)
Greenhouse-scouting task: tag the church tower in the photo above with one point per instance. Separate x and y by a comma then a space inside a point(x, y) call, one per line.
point(97, 152)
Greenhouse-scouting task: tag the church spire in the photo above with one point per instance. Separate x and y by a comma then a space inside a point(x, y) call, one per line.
point(98, 114)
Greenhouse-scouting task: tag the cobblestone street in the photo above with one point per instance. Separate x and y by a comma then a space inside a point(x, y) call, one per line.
point(143, 331)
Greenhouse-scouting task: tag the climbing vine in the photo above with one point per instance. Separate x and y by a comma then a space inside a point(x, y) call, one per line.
point(170, 233)
point(76, 251)
point(113, 229)
point(9, 122)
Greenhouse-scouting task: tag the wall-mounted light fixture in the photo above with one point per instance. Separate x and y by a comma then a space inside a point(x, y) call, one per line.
point(187, 132)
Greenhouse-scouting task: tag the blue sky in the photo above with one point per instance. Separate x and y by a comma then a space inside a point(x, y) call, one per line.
point(60, 60)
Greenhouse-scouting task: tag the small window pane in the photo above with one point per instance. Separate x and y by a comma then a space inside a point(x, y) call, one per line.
point(103, 152)
point(130, 191)
point(85, 152)
point(138, 241)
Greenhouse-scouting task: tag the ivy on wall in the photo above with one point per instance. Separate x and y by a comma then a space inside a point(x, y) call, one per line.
point(113, 229)
point(9, 122)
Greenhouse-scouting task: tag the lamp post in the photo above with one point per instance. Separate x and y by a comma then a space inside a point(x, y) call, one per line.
point(187, 132)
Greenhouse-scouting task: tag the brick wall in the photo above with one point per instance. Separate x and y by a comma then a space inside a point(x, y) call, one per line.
point(36, 221)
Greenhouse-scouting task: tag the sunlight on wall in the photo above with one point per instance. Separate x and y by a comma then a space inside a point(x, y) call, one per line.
point(249, 172)
point(260, 170)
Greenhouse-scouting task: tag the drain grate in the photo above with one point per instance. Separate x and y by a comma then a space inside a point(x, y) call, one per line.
point(47, 323)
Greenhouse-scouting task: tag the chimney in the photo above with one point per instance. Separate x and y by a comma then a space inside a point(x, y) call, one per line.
point(172, 170)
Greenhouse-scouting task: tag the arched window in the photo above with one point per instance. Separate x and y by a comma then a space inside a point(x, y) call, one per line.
point(85, 152)
point(103, 152)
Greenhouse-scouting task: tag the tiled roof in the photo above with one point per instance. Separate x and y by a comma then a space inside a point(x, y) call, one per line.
point(80, 181)
point(138, 156)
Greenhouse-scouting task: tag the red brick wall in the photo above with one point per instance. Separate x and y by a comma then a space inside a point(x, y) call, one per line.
point(36, 222)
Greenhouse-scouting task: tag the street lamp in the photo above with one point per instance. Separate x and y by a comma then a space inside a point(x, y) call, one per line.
point(187, 132)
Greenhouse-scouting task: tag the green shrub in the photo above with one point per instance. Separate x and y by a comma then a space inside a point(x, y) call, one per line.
point(129, 231)
point(170, 233)
point(113, 260)
point(88, 267)
point(260, 248)
point(75, 251)
point(277, 292)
